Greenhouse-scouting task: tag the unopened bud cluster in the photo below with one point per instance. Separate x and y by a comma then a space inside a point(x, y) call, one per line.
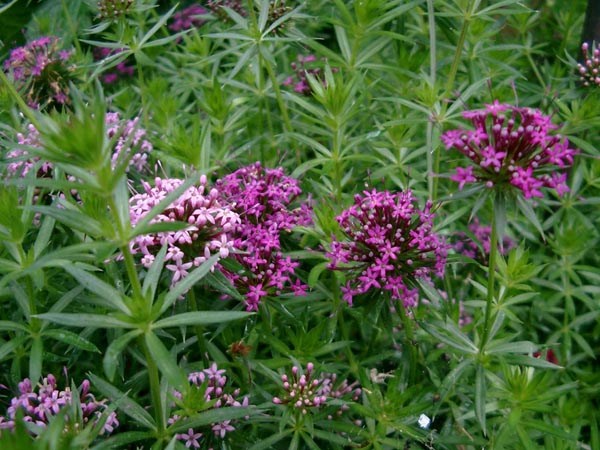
point(589, 71)
point(111, 9)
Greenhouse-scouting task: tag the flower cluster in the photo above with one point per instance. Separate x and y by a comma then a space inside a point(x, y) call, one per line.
point(210, 383)
point(511, 145)
point(111, 9)
point(278, 9)
point(39, 407)
point(122, 70)
point(188, 18)
point(482, 234)
point(129, 142)
point(303, 65)
point(589, 71)
point(41, 72)
point(262, 198)
point(216, 7)
point(390, 244)
point(210, 225)
point(304, 391)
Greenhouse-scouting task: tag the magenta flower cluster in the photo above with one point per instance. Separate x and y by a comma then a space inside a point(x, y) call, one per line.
point(512, 145)
point(212, 383)
point(304, 391)
point(211, 223)
point(41, 72)
point(303, 65)
point(41, 403)
point(122, 70)
point(190, 17)
point(589, 71)
point(482, 234)
point(263, 198)
point(389, 245)
point(129, 142)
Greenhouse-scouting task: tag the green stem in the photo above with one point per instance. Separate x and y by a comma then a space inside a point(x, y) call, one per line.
point(432, 75)
point(459, 48)
point(284, 113)
point(569, 308)
point(409, 342)
point(491, 278)
point(154, 379)
point(336, 157)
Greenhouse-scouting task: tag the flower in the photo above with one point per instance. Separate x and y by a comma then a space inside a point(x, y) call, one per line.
point(122, 70)
point(511, 146)
point(304, 391)
point(210, 225)
point(589, 71)
point(389, 245)
point(303, 65)
point(129, 142)
point(211, 384)
point(188, 18)
point(262, 199)
point(40, 71)
point(39, 407)
point(112, 9)
point(472, 248)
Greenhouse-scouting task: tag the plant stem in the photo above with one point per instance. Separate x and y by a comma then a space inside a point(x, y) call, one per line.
point(491, 277)
point(154, 386)
point(284, 113)
point(459, 48)
point(432, 77)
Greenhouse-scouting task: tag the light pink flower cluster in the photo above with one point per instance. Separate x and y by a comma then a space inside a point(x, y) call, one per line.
point(211, 223)
point(211, 383)
point(304, 391)
point(389, 245)
point(589, 71)
point(482, 234)
point(129, 142)
point(39, 407)
point(511, 145)
point(263, 198)
point(40, 71)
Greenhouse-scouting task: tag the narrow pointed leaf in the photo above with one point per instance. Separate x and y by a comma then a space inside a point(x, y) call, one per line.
point(165, 361)
point(200, 318)
point(113, 351)
point(85, 320)
point(71, 338)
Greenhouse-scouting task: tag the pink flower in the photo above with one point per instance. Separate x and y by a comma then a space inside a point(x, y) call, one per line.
point(389, 245)
point(510, 146)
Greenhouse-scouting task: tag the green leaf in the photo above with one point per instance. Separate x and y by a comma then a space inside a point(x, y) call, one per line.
point(200, 318)
point(480, 392)
point(165, 361)
point(84, 320)
point(153, 276)
point(36, 356)
point(125, 404)
point(71, 338)
point(528, 212)
point(43, 237)
point(73, 219)
point(217, 280)
point(113, 351)
point(210, 416)
point(449, 334)
point(524, 360)
point(511, 347)
point(10, 346)
point(122, 439)
point(186, 284)
point(99, 287)
point(6, 325)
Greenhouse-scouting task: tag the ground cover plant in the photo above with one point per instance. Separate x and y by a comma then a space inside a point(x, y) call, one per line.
point(272, 224)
